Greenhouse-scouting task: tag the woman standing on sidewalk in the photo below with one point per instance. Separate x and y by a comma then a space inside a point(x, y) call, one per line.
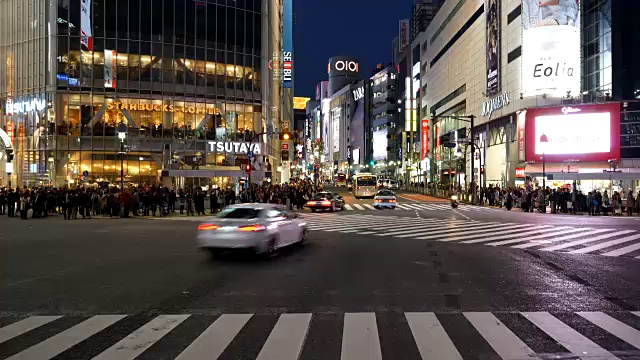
point(630, 203)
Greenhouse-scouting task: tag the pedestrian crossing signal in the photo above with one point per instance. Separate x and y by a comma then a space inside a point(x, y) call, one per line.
point(247, 169)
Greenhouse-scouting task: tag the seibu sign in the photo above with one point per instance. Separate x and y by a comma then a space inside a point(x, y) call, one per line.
point(233, 147)
point(586, 133)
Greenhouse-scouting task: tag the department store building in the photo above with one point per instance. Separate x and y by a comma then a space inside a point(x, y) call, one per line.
point(195, 82)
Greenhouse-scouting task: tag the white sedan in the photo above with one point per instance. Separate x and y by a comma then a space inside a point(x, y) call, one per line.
point(385, 199)
point(259, 228)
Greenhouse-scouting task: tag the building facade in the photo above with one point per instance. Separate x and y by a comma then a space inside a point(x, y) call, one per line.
point(513, 65)
point(190, 79)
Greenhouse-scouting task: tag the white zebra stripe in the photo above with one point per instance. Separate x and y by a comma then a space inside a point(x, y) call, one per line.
point(62, 341)
point(431, 338)
point(360, 339)
point(23, 326)
point(575, 342)
point(142, 339)
point(212, 342)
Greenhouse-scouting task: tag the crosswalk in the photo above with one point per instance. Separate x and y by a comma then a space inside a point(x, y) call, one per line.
point(416, 206)
point(575, 240)
point(345, 336)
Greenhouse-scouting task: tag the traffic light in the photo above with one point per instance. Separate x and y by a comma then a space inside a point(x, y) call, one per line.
point(285, 136)
point(371, 162)
point(247, 169)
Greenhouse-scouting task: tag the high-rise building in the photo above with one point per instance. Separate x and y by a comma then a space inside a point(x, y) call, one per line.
point(195, 82)
point(422, 14)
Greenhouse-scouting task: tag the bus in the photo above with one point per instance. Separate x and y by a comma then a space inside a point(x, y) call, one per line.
point(364, 185)
point(341, 180)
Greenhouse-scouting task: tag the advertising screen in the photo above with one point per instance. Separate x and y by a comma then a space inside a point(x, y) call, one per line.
point(586, 133)
point(493, 46)
point(550, 47)
point(380, 144)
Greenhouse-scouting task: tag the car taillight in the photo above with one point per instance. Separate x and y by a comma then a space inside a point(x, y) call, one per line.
point(358, 187)
point(326, 202)
point(255, 227)
point(392, 200)
point(309, 203)
point(377, 200)
point(204, 227)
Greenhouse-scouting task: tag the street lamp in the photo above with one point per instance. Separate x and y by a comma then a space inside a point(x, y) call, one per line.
point(544, 139)
point(121, 130)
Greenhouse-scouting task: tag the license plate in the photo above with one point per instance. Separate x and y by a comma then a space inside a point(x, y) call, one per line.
point(319, 203)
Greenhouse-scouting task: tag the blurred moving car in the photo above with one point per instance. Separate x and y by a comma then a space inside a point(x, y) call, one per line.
point(260, 228)
point(385, 199)
point(326, 201)
point(391, 184)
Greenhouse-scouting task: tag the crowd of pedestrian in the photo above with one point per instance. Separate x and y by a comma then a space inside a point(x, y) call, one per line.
point(562, 200)
point(82, 202)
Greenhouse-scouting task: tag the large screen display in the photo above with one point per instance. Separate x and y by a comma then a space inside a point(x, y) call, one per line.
point(550, 47)
point(492, 25)
point(586, 133)
point(380, 144)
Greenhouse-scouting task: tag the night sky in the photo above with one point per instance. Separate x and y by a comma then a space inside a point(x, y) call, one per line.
point(360, 28)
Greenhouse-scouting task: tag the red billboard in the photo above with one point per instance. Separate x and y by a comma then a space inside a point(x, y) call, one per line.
point(424, 139)
point(586, 133)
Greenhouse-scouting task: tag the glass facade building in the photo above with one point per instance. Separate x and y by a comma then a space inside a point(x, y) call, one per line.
point(178, 73)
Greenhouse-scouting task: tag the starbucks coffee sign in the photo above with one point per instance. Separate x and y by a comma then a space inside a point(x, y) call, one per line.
point(488, 107)
point(233, 147)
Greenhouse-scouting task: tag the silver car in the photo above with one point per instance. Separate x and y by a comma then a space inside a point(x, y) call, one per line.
point(260, 228)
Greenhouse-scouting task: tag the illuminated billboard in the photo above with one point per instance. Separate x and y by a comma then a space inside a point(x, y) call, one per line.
point(492, 25)
point(585, 133)
point(380, 144)
point(550, 47)
point(300, 103)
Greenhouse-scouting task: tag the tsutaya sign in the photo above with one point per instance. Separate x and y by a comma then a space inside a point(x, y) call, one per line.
point(163, 108)
point(233, 147)
point(488, 107)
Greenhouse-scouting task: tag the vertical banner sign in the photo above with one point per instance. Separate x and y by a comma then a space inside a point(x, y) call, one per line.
point(109, 69)
point(522, 116)
point(550, 47)
point(86, 38)
point(287, 44)
point(403, 33)
point(424, 141)
point(10, 133)
point(492, 46)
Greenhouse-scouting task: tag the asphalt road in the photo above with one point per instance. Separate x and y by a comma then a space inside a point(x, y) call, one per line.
point(138, 288)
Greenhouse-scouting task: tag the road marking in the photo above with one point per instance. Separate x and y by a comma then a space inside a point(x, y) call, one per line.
point(60, 342)
point(360, 339)
point(575, 342)
point(542, 236)
point(287, 338)
point(358, 206)
point(614, 326)
point(441, 229)
point(584, 241)
point(606, 245)
point(538, 243)
point(348, 207)
point(500, 237)
point(23, 326)
point(464, 216)
point(474, 233)
point(370, 207)
point(501, 339)
point(140, 340)
point(624, 250)
point(212, 342)
point(431, 338)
